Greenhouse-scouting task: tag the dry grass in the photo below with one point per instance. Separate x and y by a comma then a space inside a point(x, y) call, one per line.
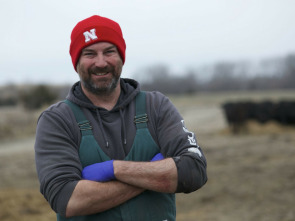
point(17, 122)
point(24, 204)
point(251, 175)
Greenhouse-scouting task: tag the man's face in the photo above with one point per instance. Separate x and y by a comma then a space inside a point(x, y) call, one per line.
point(99, 68)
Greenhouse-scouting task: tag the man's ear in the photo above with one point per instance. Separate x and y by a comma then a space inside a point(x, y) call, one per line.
point(77, 66)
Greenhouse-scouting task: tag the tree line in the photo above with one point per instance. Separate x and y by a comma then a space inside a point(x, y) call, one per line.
point(270, 74)
point(31, 96)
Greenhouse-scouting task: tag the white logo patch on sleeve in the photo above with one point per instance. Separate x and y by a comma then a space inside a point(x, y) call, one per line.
point(191, 137)
point(195, 150)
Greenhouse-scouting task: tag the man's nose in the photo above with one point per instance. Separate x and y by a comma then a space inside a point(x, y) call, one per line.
point(100, 61)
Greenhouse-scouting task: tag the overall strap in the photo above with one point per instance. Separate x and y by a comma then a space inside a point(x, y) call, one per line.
point(141, 117)
point(83, 123)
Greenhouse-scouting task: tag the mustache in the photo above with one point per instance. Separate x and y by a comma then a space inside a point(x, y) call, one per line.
point(101, 70)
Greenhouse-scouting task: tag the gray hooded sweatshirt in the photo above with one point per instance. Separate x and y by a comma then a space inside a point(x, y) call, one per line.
point(58, 138)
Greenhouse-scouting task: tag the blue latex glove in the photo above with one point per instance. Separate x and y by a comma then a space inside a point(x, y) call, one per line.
point(100, 172)
point(157, 157)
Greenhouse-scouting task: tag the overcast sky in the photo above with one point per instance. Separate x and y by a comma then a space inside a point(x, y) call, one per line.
point(35, 34)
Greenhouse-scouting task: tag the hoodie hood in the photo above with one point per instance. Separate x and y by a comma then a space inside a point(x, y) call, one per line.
point(129, 89)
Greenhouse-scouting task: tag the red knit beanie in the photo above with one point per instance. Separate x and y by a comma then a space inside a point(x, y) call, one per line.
point(92, 30)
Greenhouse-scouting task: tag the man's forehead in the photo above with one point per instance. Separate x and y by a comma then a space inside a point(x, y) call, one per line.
point(100, 45)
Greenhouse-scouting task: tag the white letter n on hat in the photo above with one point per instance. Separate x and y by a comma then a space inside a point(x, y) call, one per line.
point(90, 35)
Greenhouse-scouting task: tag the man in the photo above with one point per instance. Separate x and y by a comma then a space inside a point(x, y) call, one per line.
point(111, 151)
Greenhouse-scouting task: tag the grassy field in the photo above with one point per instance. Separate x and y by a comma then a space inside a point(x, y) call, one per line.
point(251, 175)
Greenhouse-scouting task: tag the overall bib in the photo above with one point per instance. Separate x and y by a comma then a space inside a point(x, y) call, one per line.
point(149, 205)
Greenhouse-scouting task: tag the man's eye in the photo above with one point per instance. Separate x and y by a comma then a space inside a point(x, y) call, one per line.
point(87, 53)
point(110, 51)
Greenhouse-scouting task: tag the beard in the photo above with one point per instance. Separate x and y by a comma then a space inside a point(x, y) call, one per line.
point(105, 86)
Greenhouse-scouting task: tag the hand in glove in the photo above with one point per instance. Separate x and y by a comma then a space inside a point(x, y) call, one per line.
point(100, 172)
point(157, 157)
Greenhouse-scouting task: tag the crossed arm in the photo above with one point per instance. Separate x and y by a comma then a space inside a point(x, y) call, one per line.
point(132, 178)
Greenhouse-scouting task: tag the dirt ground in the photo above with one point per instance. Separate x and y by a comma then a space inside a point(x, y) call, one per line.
point(251, 175)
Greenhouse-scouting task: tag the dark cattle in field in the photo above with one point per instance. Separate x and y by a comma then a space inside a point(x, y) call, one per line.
point(238, 113)
point(285, 113)
point(264, 111)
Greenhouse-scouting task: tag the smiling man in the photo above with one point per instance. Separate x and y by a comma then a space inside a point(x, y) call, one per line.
point(111, 151)
point(99, 69)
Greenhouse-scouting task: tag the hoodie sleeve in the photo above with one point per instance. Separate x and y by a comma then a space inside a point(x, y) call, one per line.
point(56, 155)
point(176, 141)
